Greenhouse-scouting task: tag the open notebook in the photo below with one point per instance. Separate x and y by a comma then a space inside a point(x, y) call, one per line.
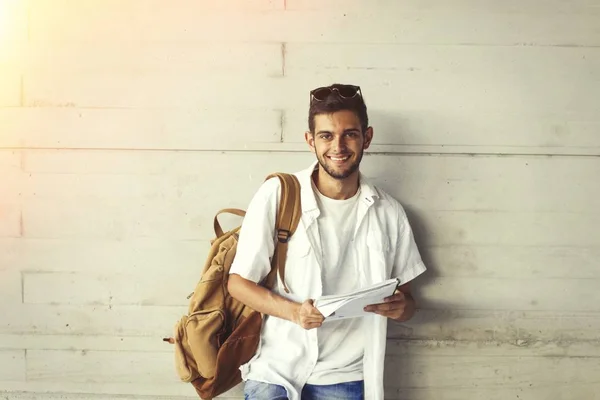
point(351, 305)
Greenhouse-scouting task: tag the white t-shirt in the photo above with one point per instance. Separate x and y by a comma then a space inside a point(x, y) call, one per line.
point(340, 342)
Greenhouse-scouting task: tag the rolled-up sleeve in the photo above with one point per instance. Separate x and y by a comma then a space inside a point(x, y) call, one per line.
point(407, 261)
point(257, 235)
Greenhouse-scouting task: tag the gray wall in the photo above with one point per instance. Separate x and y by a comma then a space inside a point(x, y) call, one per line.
point(125, 125)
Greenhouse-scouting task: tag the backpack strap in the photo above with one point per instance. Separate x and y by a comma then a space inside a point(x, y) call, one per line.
point(218, 230)
point(288, 217)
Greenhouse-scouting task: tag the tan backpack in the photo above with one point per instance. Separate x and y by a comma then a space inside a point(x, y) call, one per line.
point(219, 333)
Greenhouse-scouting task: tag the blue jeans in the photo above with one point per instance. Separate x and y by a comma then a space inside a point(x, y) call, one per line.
point(254, 390)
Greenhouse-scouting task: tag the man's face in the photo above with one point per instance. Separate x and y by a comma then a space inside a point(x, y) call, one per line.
point(339, 143)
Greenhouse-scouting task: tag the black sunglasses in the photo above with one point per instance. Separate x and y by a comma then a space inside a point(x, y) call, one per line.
point(344, 91)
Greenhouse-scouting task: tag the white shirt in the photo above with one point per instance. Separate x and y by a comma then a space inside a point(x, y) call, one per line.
point(384, 248)
point(341, 346)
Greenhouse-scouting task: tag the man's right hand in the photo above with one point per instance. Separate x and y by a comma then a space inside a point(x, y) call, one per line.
point(265, 301)
point(307, 316)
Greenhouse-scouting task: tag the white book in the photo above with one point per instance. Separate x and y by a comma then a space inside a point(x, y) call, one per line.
point(351, 305)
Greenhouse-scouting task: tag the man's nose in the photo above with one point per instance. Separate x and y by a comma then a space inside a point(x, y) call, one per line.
point(339, 144)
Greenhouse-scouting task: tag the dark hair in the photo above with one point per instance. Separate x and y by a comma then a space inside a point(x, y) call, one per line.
point(333, 103)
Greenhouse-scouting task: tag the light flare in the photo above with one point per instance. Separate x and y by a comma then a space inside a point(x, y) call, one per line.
point(12, 21)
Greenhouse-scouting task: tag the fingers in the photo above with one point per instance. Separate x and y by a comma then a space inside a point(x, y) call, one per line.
point(385, 307)
point(312, 325)
point(310, 317)
point(312, 321)
point(317, 316)
point(389, 310)
point(398, 296)
point(309, 309)
point(392, 302)
point(315, 311)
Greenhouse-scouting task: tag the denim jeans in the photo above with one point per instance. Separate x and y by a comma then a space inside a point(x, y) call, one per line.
point(254, 390)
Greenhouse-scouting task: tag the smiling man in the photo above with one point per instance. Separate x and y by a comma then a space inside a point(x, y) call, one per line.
point(351, 235)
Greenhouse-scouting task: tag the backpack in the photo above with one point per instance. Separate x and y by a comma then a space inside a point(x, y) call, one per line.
point(219, 333)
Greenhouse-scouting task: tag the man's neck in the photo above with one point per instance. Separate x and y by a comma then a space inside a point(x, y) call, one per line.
point(338, 189)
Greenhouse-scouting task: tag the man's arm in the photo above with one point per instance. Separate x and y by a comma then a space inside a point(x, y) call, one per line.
point(265, 301)
point(399, 307)
point(252, 262)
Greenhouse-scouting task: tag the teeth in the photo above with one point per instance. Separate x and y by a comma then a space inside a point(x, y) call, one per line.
point(339, 159)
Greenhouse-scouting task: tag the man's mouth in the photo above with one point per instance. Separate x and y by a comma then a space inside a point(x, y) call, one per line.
point(339, 158)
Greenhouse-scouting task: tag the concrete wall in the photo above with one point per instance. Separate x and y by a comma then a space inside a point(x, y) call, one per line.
point(116, 115)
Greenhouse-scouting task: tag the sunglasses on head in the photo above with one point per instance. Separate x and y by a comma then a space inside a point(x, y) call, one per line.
point(344, 91)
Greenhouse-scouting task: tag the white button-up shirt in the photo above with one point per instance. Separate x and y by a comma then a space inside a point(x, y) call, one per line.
point(383, 245)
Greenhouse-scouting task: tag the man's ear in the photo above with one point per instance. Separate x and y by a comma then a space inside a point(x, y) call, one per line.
point(310, 140)
point(368, 137)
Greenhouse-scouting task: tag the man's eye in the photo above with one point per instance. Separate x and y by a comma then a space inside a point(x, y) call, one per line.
point(325, 137)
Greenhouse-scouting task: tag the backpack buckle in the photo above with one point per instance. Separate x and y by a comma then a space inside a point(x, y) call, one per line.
point(283, 235)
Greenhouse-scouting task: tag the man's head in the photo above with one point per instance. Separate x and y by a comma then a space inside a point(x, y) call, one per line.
point(339, 129)
point(337, 97)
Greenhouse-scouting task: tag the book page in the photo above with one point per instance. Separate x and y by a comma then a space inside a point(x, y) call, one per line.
point(351, 305)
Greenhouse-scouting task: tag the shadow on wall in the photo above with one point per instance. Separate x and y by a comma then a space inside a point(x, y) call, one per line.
point(422, 232)
point(394, 129)
point(389, 128)
point(389, 172)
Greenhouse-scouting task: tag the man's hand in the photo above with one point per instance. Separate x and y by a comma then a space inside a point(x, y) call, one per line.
point(400, 306)
point(307, 316)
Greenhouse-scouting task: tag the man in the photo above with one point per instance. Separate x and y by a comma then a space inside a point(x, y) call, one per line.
point(351, 234)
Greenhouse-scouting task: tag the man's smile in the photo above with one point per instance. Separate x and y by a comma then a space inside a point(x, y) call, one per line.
point(340, 159)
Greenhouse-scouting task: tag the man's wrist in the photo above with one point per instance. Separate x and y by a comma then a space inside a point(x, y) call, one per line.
point(293, 312)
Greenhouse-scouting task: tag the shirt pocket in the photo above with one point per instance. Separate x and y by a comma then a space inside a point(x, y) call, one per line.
point(298, 265)
point(379, 249)
point(298, 248)
point(378, 242)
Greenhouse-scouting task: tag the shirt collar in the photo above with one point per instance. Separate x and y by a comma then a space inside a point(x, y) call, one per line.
point(368, 192)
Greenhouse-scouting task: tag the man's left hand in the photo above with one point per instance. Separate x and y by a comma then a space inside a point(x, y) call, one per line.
point(399, 306)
